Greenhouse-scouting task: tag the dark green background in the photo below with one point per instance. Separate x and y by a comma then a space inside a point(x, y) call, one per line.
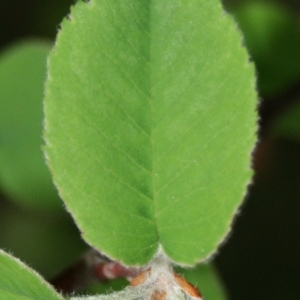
point(261, 259)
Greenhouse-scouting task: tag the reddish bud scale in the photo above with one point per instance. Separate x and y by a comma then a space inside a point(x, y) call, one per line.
point(140, 278)
point(187, 287)
point(159, 295)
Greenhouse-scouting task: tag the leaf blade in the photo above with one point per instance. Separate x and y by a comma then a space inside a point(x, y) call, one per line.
point(129, 140)
point(18, 282)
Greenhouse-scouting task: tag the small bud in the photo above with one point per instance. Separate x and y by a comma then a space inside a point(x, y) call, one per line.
point(159, 295)
point(140, 278)
point(187, 287)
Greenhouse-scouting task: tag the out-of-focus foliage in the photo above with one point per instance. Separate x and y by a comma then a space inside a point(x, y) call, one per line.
point(41, 233)
point(272, 35)
point(46, 241)
point(288, 125)
point(23, 172)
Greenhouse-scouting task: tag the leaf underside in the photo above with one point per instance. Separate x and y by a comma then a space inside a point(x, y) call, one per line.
point(149, 125)
point(18, 282)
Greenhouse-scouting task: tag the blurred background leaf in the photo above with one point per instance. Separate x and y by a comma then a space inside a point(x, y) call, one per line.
point(272, 36)
point(24, 175)
point(287, 125)
point(34, 224)
point(261, 258)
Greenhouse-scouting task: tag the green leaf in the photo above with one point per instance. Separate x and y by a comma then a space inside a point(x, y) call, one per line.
point(150, 122)
point(23, 173)
point(18, 282)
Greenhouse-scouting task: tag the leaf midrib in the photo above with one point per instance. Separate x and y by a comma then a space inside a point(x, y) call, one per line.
point(150, 35)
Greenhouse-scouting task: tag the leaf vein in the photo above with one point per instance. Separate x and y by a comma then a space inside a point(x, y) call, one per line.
point(83, 150)
point(126, 39)
point(125, 75)
point(92, 125)
point(178, 200)
point(137, 19)
point(178, 174)
point(187, 131)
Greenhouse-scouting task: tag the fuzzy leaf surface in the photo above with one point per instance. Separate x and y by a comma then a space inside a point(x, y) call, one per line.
point(150, 122)
point(19, 282)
